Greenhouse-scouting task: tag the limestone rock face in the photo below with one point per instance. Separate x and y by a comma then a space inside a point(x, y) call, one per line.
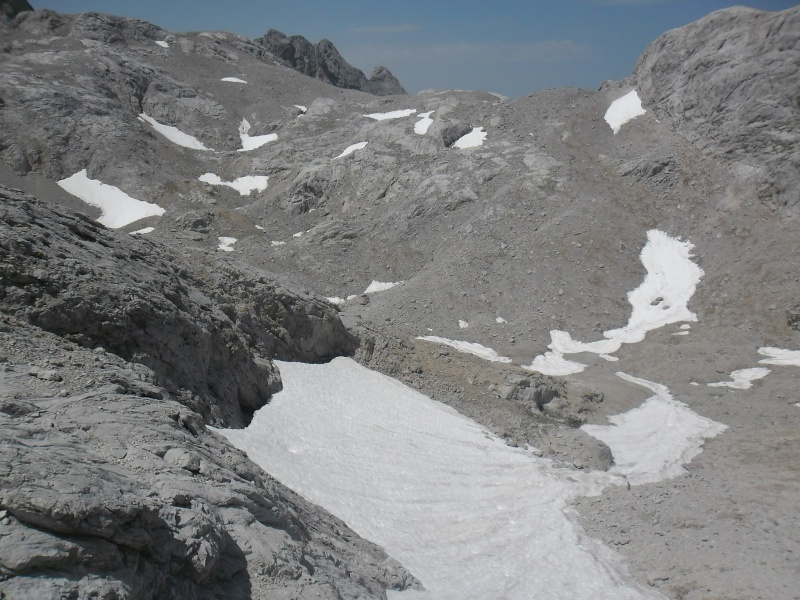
point(209, 337)
point(323, 61)
point(723, 81)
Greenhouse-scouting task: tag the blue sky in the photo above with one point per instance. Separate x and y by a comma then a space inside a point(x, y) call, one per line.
point(513, 47)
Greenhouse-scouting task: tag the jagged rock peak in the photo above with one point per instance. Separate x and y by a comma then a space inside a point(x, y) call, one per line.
point(11, 8)
point(323, 61)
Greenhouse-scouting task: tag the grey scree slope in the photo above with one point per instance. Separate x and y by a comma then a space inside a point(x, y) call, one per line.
point(542, 225)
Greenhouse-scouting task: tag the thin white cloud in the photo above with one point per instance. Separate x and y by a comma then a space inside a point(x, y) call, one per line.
point(401, 28)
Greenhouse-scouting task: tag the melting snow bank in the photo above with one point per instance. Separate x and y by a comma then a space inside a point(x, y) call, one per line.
point(351, 149)
point(173, 134)
point(243, 185)
point(743, 379)
point(467, 347)
point(253, 142)
point(471, 517)
point(395, 114)
point(653, 441)
point(226, 243)
point(472, 139)
point(117, 208)
point(661, 299)
point(425, 121)
point(777, 356)
point(623, 110)
point(380, 286)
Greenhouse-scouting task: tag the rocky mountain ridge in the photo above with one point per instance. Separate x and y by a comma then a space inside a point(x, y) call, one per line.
point(537, 227)
point(323, 61)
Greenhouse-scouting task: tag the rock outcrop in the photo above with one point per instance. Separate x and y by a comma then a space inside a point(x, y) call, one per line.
point(723, 81)
point(323, 61)
point(114, 354)
point(209, 338)
point(11, 8)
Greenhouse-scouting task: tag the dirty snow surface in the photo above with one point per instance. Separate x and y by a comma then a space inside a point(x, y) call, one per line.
point(118, 209)
point(244, 185)
point(661, 299)
point(623, 110)
point(467, 347)
point(471, 517)
point(473, 139)
point(173, 134)
point(226, 243)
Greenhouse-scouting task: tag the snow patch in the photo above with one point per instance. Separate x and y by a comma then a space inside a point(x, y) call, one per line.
point(500, 320)
point(608, 357)
point(653, 441)
point(777, 356)
point(743, 378)
point(335, 300)
point(117, 209)
point(467, 347)
point(252, 142)
point(462, 324)
point(661, 299)
point(301, 108)
point(469, 516)
point(473, 139)
point(143, 231)
point(244, 185)
point(162, 43)
point(276, 243)
point(351, 149)
point(425, 121)
point(298, 234)
point(380, 286)
point(173, 134)
point(226, 243)
point(395, 114)
point(233, 80)
point(259, 227)
point(554, 363)
point(623, 110)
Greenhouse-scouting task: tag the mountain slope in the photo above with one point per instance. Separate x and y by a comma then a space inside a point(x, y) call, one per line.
point(539, 227)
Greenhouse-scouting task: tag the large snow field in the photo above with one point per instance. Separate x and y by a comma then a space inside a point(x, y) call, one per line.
point(173, 134)
point(244, 185)
point(117, 208)
point(661, 299)
point(467, 347)
point(471, 517)
point(251, 142)
point(653, 441)
point(623, 110)
point(395, 114)
point(473, 139)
